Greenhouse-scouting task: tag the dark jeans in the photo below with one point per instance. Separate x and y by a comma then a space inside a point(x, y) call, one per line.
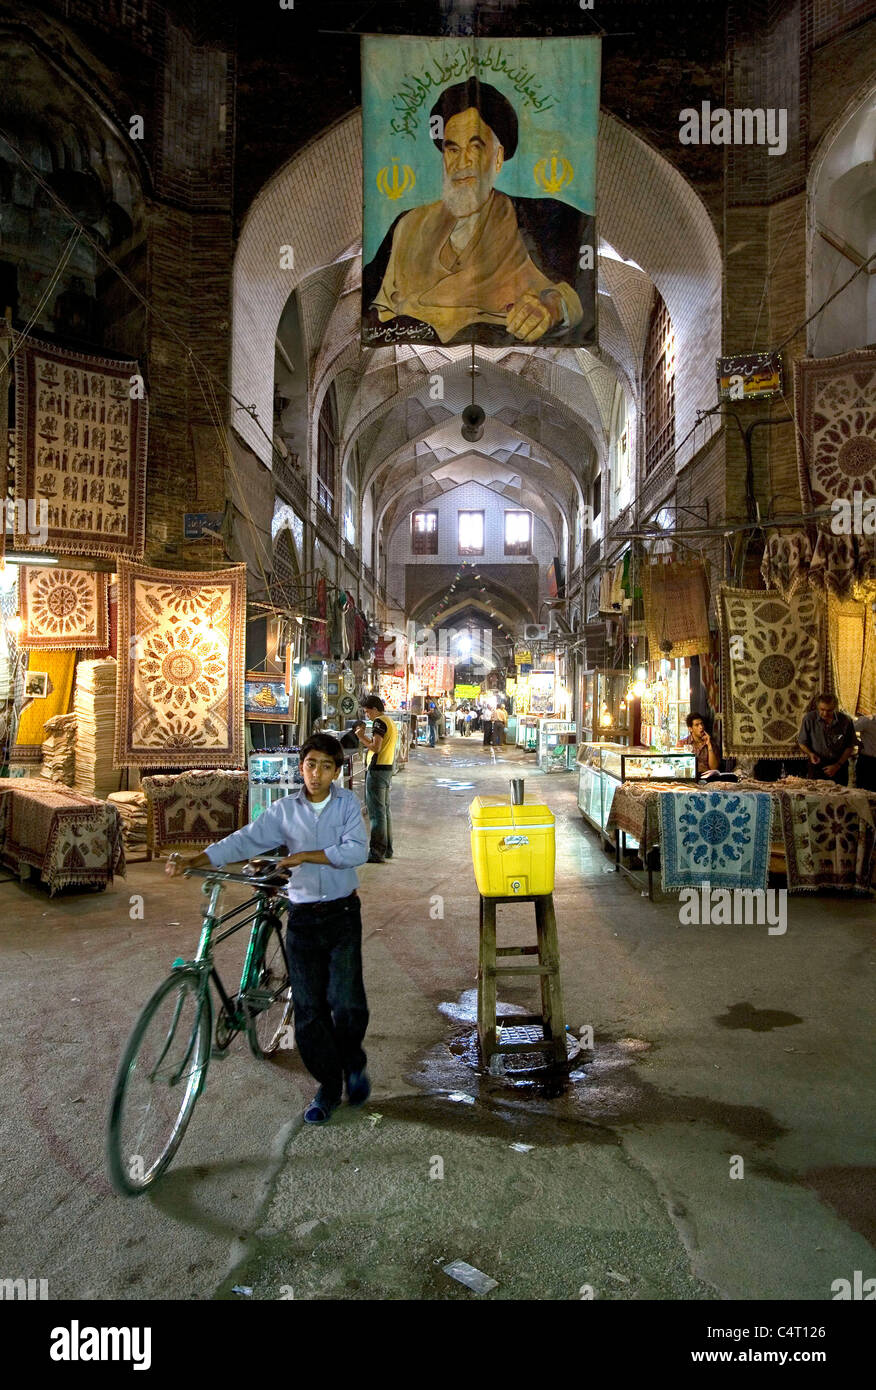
point(432, 731)
point(378, 784)
point(865, 772)
point(840, 777)
point(324, 952)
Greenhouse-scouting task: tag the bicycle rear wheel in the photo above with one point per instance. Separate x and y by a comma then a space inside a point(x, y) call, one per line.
point(160, 1077)
point(268, 1000)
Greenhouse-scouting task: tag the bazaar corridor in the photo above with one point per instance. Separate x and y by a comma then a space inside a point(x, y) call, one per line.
point(711, 1044)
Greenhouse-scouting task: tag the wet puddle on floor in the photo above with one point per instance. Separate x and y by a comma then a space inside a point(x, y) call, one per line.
point(757, 1020)
point(602, 1088)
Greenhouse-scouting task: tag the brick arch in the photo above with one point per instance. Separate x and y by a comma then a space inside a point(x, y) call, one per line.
point(314, 205)
point(665, 228)
point(646, 209)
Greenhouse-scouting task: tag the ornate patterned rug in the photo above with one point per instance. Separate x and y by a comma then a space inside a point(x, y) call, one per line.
point(63, 608)
point(71, 840)
point(676, 608)
point(829, 839)
point(835, 408)
point(845, 635)
point(786, 560)
point(58, 669)
point(179, 696)
point(867, 694)
point(772, 667)
point(81, 445)
point(720, 838)
point(189, 810)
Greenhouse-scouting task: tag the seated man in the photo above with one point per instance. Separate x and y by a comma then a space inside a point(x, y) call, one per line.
point(827, 737)
point(700, 742)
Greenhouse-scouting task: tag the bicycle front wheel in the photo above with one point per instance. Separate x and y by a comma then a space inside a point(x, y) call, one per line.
point(160, 1077)
point(268, 1001)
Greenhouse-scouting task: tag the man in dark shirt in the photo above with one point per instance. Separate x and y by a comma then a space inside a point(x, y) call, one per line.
point(827, 737)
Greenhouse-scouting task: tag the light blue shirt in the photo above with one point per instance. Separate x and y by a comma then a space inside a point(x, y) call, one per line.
point(339, 831)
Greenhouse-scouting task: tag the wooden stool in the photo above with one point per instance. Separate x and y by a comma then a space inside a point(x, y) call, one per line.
point(552, 1016)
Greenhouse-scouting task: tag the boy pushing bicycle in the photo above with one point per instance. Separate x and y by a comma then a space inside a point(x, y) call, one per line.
point(321, 825)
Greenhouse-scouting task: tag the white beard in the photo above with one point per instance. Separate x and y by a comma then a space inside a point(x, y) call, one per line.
point(463, 199)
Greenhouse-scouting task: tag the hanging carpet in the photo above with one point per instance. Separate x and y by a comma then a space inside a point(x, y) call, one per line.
point(676, 608)
point(63, 608)
point(771, 663)
point(179, 695)
point(845, 637)
point(81, 445)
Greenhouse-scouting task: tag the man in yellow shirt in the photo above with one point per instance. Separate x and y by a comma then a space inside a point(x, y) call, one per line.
point(380, 766)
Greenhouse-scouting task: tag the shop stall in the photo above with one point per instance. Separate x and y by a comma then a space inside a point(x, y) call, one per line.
point(666, 703)
point(272, 775)
point(822, 835)
point(556, 745)
point(604, 767)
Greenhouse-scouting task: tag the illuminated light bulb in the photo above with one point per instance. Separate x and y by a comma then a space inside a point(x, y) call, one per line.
point(305, 676)
point(641, 673)
point(639, 689)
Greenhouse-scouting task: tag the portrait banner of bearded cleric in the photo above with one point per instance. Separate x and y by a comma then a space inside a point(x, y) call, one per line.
point(479, 191)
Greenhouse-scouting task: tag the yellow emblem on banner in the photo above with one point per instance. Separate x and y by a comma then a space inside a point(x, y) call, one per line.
point(389, 184)
point(554, 173)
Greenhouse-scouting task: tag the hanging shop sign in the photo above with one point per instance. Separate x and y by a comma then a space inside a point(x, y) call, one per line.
point(523, 658)
point(541, 692)
point(198, 526)
point(466, 692)
point(502, 132)
point(749, 376)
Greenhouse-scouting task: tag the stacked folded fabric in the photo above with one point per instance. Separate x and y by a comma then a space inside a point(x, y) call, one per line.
point(132, 811)
point(94, 706)
point(59, 749)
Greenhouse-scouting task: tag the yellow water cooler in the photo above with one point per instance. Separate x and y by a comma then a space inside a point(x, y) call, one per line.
point(513, 847)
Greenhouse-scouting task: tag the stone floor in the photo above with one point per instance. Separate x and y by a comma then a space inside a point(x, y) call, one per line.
point(713, 1045)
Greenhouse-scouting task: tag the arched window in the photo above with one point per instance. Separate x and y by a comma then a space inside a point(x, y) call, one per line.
point(659, 387)
point(843, 236)
point(327, 453)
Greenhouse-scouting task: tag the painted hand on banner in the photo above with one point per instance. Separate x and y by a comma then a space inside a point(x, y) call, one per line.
point(531, 317)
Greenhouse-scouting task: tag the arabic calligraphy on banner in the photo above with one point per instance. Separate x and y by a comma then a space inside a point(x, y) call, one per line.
point(749, 376)
point(479, 164)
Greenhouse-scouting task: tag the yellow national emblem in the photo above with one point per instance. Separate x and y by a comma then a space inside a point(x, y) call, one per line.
point(554, 173)
point(389, 183)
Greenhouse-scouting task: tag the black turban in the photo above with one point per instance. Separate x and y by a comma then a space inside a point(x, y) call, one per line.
point(495, 110)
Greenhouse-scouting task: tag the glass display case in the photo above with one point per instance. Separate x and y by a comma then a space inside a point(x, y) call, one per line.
point(603, 706)
point(556, 745)
point(610, 714)
point(596, 786)
point(603, 766)
point(645, 764)
point(272, 773)
point(527, 732)
point(666, 704)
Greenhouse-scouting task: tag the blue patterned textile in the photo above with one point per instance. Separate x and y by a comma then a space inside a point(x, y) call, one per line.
point(717, 837)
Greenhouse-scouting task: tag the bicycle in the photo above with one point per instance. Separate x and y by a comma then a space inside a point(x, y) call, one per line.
point(163, 1068)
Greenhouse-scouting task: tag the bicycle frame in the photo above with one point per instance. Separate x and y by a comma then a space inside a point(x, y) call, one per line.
point(265, 909)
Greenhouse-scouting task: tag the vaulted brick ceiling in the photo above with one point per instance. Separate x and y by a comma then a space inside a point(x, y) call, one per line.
point(558, 401)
